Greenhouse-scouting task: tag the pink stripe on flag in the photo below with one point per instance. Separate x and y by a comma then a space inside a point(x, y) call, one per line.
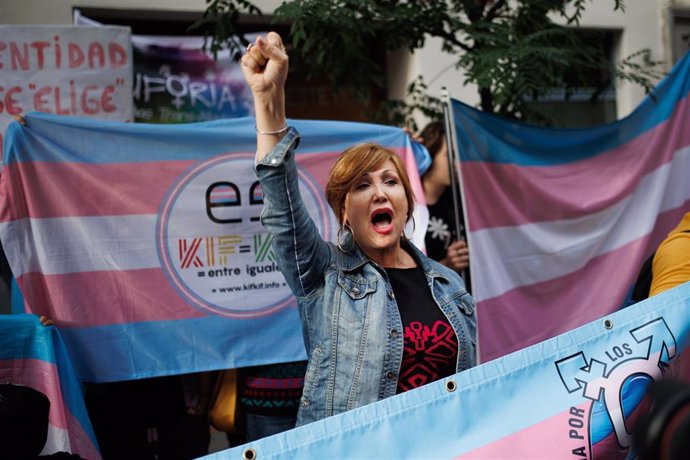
point(548, 439)
point(44, 190)
point(570, 190)
point(43, 376)
point(523, 316)
point(105, 297)
point(413, 172)
point(79, 189)
point(318, 165)
point(39, 375)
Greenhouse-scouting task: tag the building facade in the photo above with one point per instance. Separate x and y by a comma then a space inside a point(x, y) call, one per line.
point(662, 26)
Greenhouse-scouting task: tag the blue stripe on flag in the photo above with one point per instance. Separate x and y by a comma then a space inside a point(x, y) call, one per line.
point(497, 136)
point(145, 349)
point(42, 142)
point(19, 338)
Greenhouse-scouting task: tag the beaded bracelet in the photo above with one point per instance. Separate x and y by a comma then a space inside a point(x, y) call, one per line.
point(272, 133)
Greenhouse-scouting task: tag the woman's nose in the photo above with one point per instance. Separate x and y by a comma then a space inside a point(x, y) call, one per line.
point(379, 193)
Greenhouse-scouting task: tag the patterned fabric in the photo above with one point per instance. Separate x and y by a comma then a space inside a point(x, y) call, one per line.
point(273, 389)
point(430, 354)
point(430, 345)
point(441, 229)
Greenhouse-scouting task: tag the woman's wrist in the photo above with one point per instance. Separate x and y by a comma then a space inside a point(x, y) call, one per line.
point(270, 116)
point(269, 110)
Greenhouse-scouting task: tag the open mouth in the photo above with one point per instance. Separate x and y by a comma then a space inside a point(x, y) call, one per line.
point(382, 220)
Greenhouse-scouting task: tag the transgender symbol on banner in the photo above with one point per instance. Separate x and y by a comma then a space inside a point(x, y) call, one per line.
point(615, 384)
point(212, 244)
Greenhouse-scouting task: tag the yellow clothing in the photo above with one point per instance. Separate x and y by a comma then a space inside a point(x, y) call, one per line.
point(671, 265)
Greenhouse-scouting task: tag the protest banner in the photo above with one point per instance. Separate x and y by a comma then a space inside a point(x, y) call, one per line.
point(574, 396)
point(143, 241)
point(35, 356)
point(175, 81)
point(560, 220)
point(65, 70)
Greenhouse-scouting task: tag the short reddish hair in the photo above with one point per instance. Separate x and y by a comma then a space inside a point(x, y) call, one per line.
point(352, 164)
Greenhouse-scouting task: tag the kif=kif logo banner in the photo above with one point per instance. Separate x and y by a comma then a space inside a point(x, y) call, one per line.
point(144, 242)
point(218, 256)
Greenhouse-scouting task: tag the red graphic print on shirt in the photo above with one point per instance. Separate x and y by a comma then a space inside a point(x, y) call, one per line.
point(430, 353)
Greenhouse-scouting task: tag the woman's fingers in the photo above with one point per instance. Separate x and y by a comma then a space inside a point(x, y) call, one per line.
point(264, 65)
point(459, 255)
point(257, 53)
point(45, 320)
point(252, 63)
point(263, 50)
point(274, 39)
point(274, 47)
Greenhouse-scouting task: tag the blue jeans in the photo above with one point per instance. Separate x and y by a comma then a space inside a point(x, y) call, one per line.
point(260, 426)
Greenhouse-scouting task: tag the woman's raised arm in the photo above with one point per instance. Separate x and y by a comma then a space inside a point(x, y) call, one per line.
point(265, 67)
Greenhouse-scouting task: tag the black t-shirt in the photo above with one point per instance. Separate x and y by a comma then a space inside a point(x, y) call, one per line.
point(431, 347)
point(441, 230)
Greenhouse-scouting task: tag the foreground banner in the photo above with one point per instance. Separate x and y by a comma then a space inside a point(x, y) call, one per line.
point(34, 355)
point(143, 242)
point(573, 396)
point(560, 220)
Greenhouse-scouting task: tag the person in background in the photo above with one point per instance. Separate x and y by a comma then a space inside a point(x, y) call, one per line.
point(661, 432)
point(443, 241)
point(24, 424)
point(671, 265)
point(378, 316)
point(269, 396)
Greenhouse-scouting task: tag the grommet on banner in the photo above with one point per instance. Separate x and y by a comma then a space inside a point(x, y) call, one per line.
point(249, 454)
point(451, 386)
point(608, 324)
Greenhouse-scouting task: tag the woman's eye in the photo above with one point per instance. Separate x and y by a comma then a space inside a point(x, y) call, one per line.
point(361, 186)
point(392, 182)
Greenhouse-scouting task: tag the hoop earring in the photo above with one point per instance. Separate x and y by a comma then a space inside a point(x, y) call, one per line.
point(343, 229)
point(414, 227)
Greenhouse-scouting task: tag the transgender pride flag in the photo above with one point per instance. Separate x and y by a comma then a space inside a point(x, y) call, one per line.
point(143, 242)
point(35, 356)
point(560, 220)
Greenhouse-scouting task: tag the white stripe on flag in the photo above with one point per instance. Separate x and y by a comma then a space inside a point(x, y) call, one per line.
point(57, 441)
point(510, 257)
point(80, 244)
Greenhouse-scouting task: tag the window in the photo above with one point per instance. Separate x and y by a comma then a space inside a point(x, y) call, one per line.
point(577, 110)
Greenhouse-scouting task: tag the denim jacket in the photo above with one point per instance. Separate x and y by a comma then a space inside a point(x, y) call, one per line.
point(350, 320)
